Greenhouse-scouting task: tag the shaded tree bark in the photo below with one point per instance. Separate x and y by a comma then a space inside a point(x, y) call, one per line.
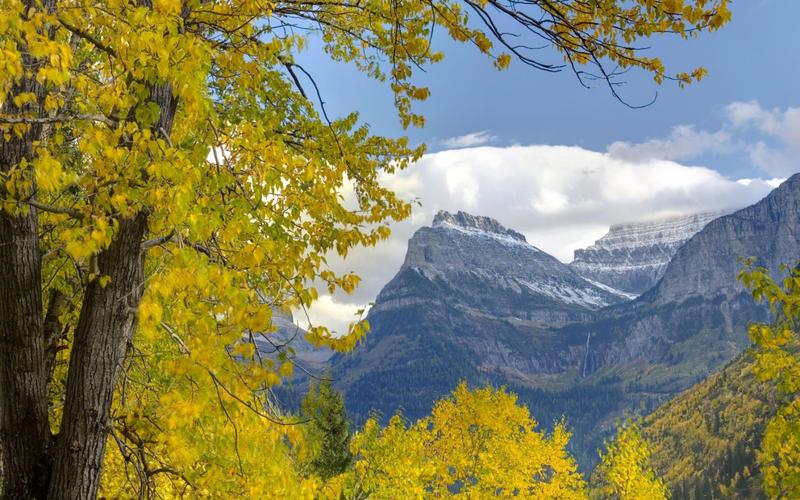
point(54, 331)
point(24, 427)
point(103, 335)
point(105, 329)
point(35, 464)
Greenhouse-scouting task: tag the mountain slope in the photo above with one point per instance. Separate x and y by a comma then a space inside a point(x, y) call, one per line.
point(705, 440)
point(633, 257)
point(469, 302)
point(767, 230)
point(699, 291)
point(495, 270)
point(461, 308)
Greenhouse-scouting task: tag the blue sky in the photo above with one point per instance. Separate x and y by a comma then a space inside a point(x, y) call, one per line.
point(561, 163)
point(754, 58)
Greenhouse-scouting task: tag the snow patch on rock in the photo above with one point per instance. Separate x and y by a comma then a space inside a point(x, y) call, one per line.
point(632, 257)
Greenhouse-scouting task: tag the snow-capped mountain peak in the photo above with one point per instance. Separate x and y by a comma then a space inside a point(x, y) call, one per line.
point(633, 257)
point(474, 224)
point(488, 267)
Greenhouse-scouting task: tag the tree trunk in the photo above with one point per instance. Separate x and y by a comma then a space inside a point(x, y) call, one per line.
point(32, 464)
point(24, 428)
point(102, 337)
point(104, 331)
point(54, 331)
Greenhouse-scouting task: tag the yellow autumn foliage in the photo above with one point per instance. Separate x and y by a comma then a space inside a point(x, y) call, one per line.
point(776, 354)
point(625, 471)
point(475, 444)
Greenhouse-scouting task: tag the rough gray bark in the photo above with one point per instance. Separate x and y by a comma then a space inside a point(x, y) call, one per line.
point(105, 328)
point(33, 463)
point(54, 331)
point(103, 335)
point(24, 428)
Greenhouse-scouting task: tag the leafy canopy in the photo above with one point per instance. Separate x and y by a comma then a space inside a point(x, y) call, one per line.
point(475, 444)
point(776, 353)
point(625, 471)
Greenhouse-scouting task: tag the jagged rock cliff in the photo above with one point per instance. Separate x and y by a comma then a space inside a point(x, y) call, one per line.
point(633, 257)
point(486, 267)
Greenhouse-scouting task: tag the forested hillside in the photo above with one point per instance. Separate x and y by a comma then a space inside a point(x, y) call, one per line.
point(706, 439)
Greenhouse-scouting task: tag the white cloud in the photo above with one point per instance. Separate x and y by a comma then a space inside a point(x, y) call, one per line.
point(683, 142)
point(773, 183)
point(560, 197)
point(334, 312)
point(549, 201)
point(775, 161)
point(781, 123)
point(469, 140)
point(744, 113)
point(782, 126)
point(770, 138)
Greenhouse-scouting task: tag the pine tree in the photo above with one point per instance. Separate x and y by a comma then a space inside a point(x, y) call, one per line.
point(328, 429)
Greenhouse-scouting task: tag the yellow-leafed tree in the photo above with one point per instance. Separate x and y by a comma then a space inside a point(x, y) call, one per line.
point(775, 348)
point(625, 471)
point(477, 443)
point(169, 177)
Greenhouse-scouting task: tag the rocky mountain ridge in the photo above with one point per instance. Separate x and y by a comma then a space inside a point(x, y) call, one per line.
point(486, 267)
point(633, 257)
point(475, 224)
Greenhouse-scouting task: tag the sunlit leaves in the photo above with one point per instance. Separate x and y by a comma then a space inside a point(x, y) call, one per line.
point(477, 443)
point(610, 30)
point(246, 192)
point(625, 471)
point(776, 354)
point(247, 188)
point(780, 452)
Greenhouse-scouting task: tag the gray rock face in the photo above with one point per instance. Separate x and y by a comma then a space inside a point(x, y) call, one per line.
point(633, 257)
point(699, 291)
point(470, 301)
point(492, 269)
point(466, 221)
point(707, 264)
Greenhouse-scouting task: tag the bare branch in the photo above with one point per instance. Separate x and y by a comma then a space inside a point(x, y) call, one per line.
point(52, 209)
point(88, 37)
point(158, 241)
point(59, 118)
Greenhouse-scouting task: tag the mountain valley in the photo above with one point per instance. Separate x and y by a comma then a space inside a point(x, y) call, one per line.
point(475, 301)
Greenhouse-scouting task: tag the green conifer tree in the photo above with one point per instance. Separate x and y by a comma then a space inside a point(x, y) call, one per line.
point(328, 429)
